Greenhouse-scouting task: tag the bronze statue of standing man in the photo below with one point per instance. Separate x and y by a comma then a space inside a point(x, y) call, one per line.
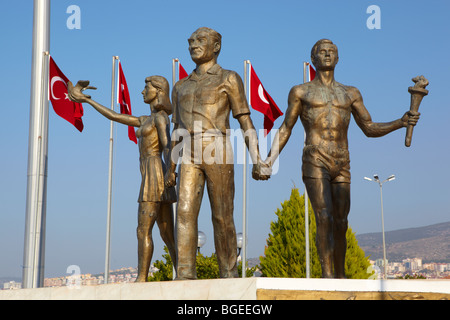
point(325, 107)
point(202, 103)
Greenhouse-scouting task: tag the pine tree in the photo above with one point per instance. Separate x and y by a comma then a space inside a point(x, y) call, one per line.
point(356, 263)
point(165, 269)
point(285, 256)
point(285, 251)
point(207, 267)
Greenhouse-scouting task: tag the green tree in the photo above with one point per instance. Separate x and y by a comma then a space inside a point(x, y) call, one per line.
point(356, 263)
point(165, 269)
point(207, 268)
point(284, 255)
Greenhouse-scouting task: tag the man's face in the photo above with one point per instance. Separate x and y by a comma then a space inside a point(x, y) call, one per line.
point(326, 57)
point(202, 47)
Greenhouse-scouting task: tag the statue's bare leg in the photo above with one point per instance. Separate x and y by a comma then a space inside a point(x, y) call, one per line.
point(341, 208)
point(320, 195)
point(166, 229)
point(147, 214)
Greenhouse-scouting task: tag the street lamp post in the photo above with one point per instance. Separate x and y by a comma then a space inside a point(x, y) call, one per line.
point(201, 240)
point(240, 241)
point(377, 179)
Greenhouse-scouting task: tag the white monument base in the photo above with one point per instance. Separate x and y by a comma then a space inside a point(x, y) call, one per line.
point(245, 289)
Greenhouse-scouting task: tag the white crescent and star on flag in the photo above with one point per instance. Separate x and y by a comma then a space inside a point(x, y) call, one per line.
point(261, 94)
point(122, 90)
point(56, 79)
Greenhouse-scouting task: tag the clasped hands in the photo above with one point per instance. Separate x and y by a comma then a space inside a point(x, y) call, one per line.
point(170, 179)
point(261, 170)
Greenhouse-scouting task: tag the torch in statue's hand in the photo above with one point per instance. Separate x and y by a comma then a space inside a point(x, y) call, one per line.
point(417, 93)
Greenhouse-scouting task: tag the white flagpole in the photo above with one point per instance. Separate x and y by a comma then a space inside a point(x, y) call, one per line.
point(247, 67)
point(174, 72)
point(34, 244)
point(308, 272)
point(175, 62)
point(111, 146)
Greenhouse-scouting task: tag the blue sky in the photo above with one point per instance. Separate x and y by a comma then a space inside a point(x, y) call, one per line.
point(277, 37)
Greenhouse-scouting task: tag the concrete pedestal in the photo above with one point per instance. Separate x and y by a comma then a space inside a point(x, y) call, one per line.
point(245, 289)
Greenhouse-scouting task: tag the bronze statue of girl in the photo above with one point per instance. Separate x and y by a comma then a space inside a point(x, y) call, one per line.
point(155, 202)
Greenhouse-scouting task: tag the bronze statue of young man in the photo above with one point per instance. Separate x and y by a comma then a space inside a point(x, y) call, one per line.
point(325, 107)
point(202, 103)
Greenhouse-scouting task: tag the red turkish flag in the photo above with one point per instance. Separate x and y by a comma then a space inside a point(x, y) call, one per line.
point(312, 72)
point(181, 72)
point(261, 101)
point(124, 101)
point(65, 108)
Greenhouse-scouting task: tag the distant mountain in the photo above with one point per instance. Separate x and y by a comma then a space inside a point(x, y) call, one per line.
point(431, 243)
